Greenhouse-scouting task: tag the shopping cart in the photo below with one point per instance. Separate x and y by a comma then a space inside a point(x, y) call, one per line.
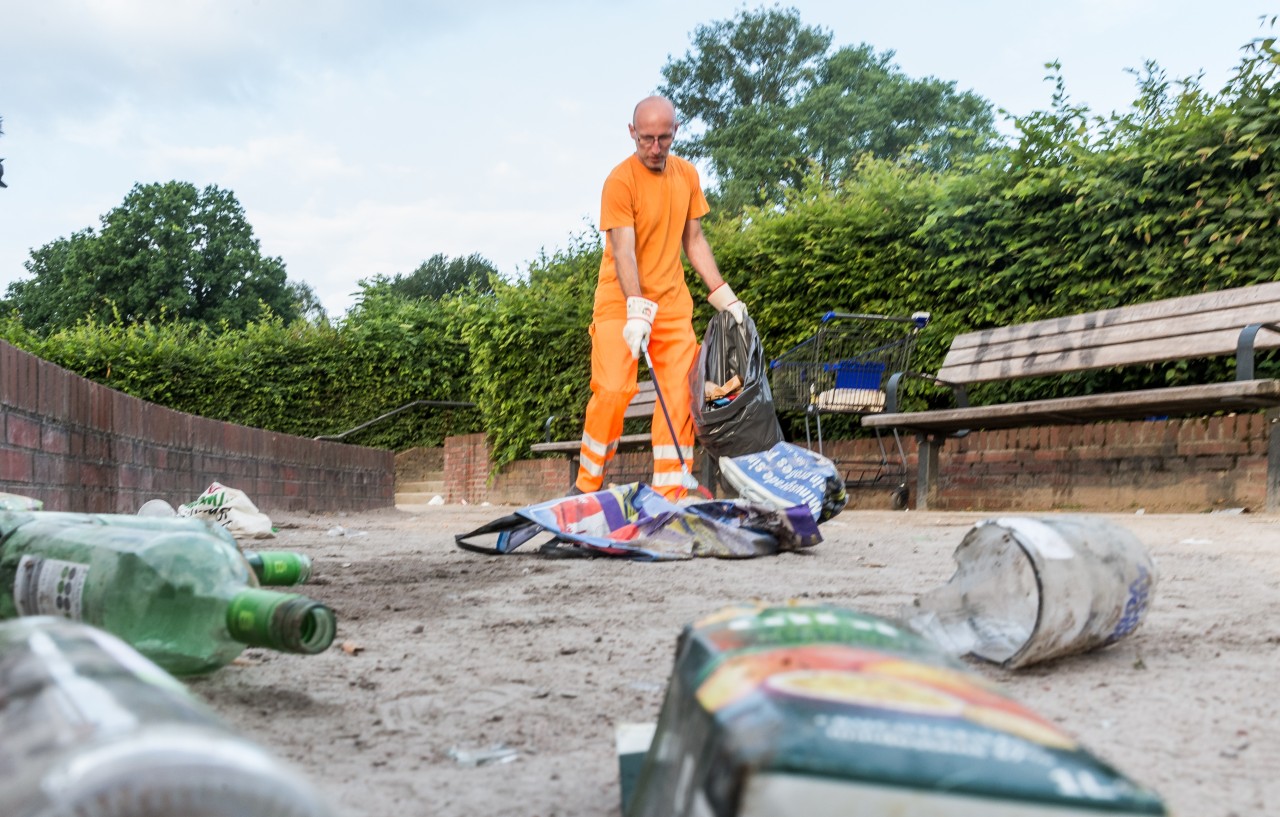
point(842, 369)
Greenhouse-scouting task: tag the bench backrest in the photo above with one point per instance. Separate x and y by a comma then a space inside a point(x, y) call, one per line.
point(643, 403)
point(1205, 325)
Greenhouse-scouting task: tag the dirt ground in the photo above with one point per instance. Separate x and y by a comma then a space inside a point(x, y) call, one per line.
point(453, 650)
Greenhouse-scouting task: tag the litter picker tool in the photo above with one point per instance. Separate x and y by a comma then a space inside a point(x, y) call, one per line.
point(687, 480)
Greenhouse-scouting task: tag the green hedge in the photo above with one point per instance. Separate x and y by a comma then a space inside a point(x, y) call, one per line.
point(303, 378)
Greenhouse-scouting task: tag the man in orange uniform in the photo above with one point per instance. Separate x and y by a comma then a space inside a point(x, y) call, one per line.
point(650, 209)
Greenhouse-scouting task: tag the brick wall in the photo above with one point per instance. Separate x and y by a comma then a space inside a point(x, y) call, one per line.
point(82, 447)
point(1183, 465)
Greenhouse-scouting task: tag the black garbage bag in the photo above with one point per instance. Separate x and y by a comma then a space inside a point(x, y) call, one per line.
point(744, 421)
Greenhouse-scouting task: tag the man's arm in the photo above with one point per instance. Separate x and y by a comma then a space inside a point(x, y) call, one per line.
point(622, 241)
point(698, 250)
point(719, 294)
point(640, 310)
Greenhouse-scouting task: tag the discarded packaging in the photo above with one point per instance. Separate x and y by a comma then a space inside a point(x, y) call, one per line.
point(787, 475)
point(817, 711)
point(231, 508)
point(636, 522)
point(178, 592)
point(1026, 590)
point(92, 728)
point(482, 757)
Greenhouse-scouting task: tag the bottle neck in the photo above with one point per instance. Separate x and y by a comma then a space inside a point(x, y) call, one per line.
point(279, 568)
point(280, 621)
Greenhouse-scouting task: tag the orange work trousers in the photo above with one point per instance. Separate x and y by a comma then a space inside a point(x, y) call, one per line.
point(673, 347)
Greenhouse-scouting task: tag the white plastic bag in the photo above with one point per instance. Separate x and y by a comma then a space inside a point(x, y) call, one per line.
point(230, 508)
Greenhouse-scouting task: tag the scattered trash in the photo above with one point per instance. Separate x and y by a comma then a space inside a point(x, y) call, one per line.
point(636, 522)
point(631, 742)
point(338, 530)
point(230, 508)
point(498, 753)
point(787, 475)
point(1229, 511)
point(92, 727)
point(436, 500)
point(190, 615)
point(730, 426)
point(157, 507)
point(279, 568)
point(274, 568)
point(352, 648)
point(799, 710)
point(17, 502)
point(1026, 590)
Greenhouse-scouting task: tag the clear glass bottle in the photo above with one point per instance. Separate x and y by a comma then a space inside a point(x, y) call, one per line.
point(184, 598)
point(93, 729)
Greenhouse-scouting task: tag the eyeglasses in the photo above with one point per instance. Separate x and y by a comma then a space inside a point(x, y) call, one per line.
point(663, 139)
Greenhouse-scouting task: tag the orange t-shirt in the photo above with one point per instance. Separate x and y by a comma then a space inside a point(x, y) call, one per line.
point(657, 205)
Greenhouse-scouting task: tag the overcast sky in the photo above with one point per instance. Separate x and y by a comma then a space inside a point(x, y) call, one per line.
point(365, 137)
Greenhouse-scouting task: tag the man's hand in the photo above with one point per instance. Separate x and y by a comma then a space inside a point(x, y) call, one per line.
point(640, 315)
point(723, 299)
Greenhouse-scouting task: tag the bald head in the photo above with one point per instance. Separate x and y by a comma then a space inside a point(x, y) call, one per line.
point(654, 106)
point(653, 127)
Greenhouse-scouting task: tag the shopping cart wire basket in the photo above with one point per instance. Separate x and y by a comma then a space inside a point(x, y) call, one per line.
point(842, 369)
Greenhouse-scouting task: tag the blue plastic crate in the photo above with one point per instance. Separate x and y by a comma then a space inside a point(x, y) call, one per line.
point(856, 374)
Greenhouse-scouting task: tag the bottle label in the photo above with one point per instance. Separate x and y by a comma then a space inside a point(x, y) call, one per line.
point(49, 587)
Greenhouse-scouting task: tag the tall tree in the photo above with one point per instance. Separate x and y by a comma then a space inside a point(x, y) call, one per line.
point(168, 251)
point(435, 278)
point(773, 104)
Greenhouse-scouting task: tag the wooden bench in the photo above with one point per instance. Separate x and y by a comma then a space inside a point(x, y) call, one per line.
point(1214, 324)
point(641, 407)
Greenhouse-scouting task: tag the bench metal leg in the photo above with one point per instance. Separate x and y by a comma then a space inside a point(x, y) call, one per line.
point(927, 470)
point(1273, 460)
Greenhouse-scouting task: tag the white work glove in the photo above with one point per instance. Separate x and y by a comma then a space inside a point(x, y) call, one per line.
point(640, 315)
point(723, 299)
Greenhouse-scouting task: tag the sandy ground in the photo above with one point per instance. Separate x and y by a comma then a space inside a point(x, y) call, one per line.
point(545, 656)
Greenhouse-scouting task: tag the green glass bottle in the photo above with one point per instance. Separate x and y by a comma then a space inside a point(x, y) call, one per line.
point(274, 568)
point(279, 568)
point(184, 598)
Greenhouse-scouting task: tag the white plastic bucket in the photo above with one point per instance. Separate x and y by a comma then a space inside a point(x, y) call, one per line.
point(1026, 590)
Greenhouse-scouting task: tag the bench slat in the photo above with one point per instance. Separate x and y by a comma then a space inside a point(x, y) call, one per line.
point(641, 407)
point(1243, 395)
point(1227, 299)
point(1033, 361)
point(572, 446)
